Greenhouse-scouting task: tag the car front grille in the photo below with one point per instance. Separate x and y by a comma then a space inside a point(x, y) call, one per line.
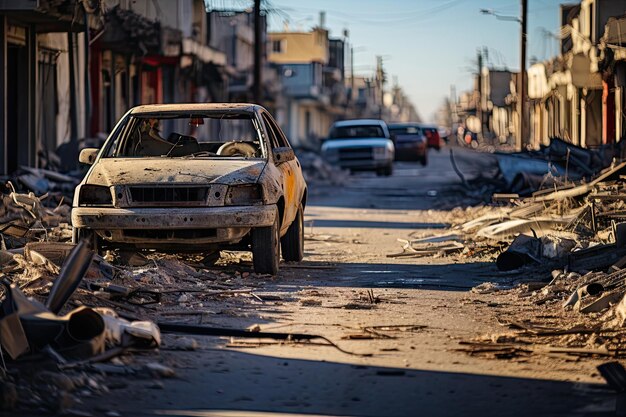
point(163, 195)
point(355, 154)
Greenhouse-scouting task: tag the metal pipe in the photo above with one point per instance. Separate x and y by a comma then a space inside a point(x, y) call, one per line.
point(71, 275)
point(217, 331)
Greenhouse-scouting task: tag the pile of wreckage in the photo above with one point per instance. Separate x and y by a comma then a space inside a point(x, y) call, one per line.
point(570, 242)
point(47, 335)
point(523, 173)
point(560, 252)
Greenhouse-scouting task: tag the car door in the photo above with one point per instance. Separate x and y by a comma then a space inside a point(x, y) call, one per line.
point(292, 182)
point(287, 174)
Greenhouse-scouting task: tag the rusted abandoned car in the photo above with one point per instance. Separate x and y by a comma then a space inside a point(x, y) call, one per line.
point(194, 177)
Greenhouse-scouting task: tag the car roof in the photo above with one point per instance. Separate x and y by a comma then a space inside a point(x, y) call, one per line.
point(176, 107)
point(360, 122)
point(404, 124)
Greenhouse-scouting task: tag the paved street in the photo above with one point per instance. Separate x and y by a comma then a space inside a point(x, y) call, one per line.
point(413, 372)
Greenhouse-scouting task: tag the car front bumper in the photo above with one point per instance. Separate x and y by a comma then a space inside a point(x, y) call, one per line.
point(156, 227)
point(361, 164)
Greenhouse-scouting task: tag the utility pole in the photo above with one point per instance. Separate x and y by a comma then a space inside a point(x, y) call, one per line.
point(258, 44)
point(73, 113)
point(479, 104)
point(522, 136)
point(379, 83)
point(351, 74)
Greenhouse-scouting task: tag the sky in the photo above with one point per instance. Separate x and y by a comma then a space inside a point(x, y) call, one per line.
point(427, 45)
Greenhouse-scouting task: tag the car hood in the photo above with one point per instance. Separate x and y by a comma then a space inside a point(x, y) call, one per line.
point(124, 171)
point(354, 143)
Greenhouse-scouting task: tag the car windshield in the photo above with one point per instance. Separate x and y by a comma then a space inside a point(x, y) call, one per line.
point(357, 131)
point(209, 135)
point(405, 130)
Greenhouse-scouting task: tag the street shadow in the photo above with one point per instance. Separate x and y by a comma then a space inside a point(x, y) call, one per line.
point(444, 276)
point(375, 224)
point(353, 199)
point(222, 382)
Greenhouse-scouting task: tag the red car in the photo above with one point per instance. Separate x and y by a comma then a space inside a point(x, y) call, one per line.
point(432, 136)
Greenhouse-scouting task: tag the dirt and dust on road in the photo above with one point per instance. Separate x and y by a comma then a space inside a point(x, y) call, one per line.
point(415, 316)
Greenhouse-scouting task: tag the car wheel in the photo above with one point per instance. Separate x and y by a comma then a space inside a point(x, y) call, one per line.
point(266, 248)
point(292, 244)
point(424, 159)
point(388, 170)
point(89, 235)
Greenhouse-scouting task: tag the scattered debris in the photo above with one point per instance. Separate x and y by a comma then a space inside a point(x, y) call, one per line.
point(316, 170)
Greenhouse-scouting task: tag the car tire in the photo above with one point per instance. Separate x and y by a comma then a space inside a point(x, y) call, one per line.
point(292, 244)
point(424, 159)
point(266, 248)
point(388, 170)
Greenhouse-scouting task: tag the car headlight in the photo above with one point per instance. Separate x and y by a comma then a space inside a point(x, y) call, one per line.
point(244, 195)
point(380, 153)
point(95, 195)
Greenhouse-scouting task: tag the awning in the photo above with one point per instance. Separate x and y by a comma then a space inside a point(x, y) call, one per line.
point(49, 16)
point(204, 53)
point(129, 32)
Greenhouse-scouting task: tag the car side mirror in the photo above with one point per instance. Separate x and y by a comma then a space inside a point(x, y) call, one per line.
point(283, 154)
point(88, 156)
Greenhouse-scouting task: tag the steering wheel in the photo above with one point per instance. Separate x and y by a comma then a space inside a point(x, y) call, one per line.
point(237, 149)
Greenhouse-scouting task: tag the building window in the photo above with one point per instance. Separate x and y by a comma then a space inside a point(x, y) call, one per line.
point(277, 46)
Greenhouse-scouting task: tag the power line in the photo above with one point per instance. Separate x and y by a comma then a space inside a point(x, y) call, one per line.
point(413, 16)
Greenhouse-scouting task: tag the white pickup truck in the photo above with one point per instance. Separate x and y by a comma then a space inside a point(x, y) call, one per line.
point(360, 145)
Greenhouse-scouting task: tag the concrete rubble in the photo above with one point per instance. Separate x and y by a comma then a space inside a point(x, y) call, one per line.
point(317, 170)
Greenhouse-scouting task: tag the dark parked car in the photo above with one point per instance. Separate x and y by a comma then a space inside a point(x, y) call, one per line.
point(410, 142)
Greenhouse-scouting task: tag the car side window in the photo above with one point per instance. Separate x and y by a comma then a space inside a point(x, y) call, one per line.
point(270, 131)
point(278, 134)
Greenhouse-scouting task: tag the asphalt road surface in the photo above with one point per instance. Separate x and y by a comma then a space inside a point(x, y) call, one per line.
point(415, 370)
